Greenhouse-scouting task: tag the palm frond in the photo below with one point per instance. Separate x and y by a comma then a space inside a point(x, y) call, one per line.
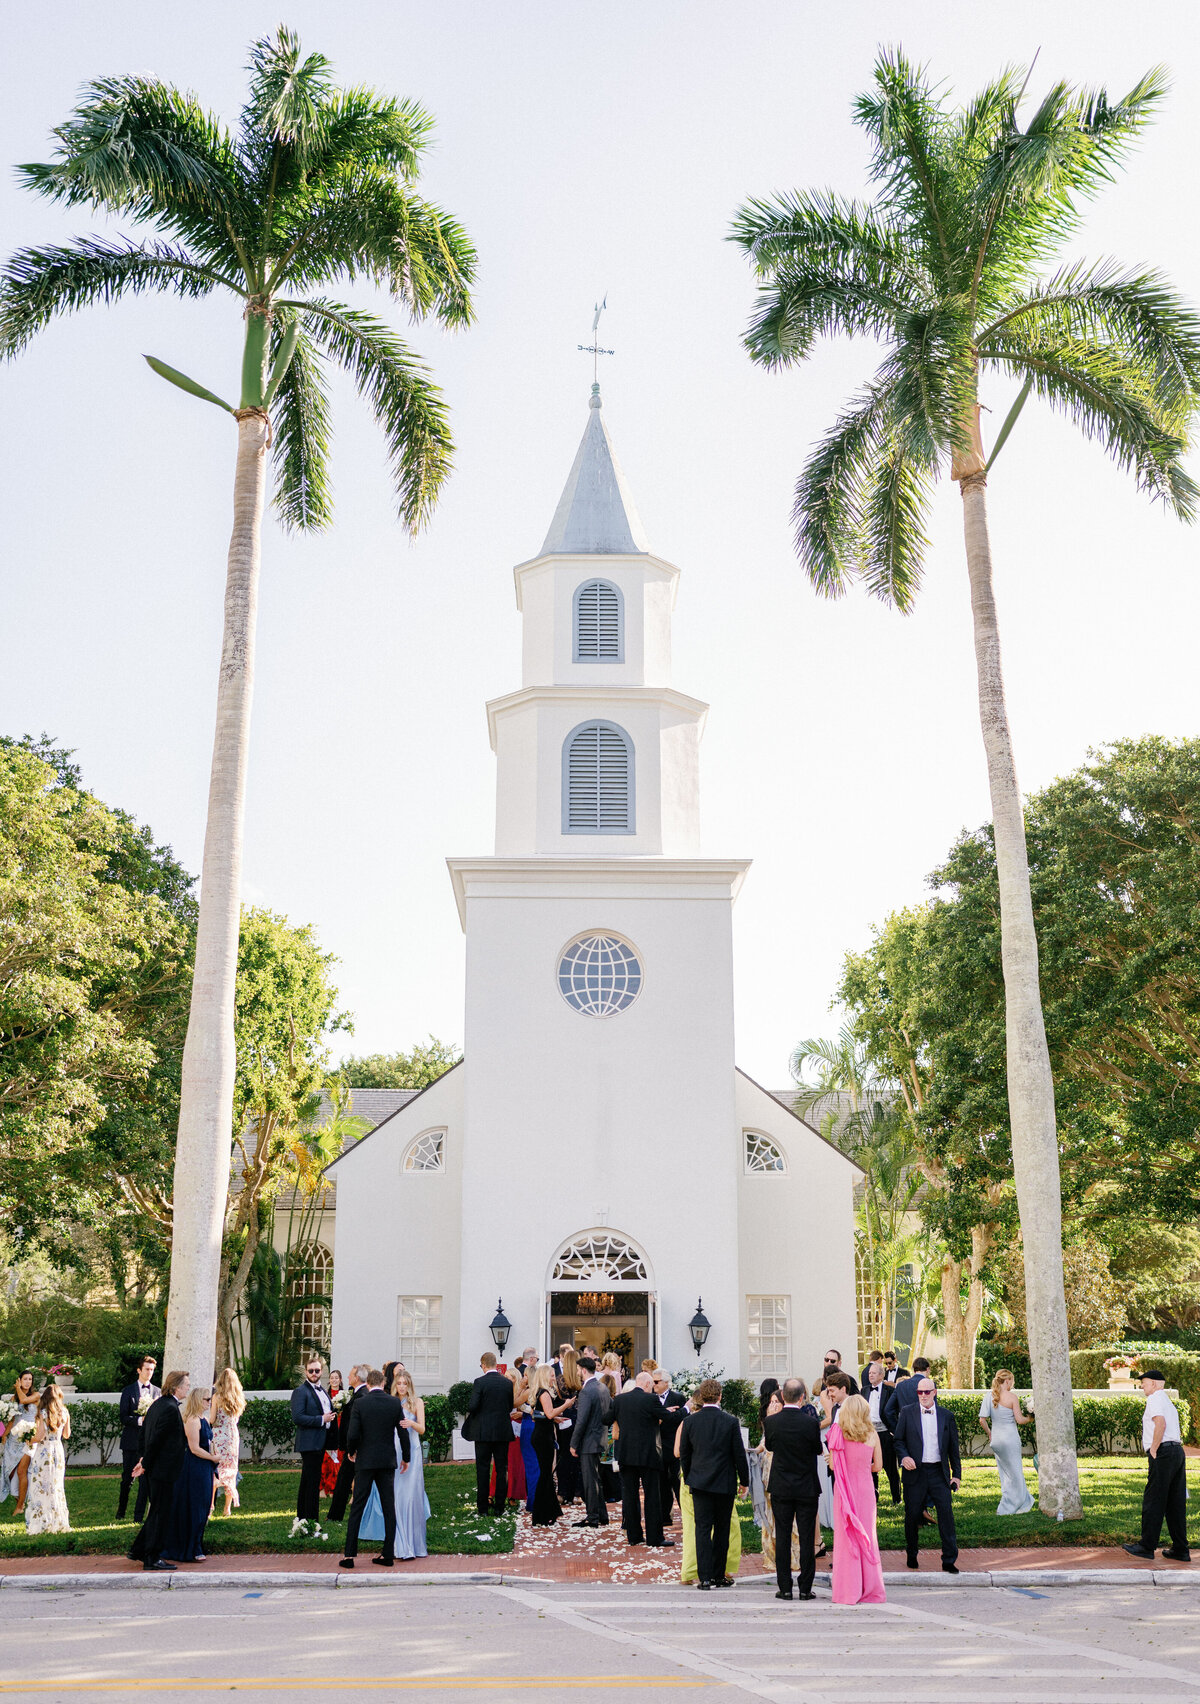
point(287, 94)
point(894, 525)
point(39, 283)
point(1137, 312)
point(1109, 400)
point(910, 128)
point(301, 426)
point(359, 125)
point(407, 404)
point(832, 493)
point(140, 148)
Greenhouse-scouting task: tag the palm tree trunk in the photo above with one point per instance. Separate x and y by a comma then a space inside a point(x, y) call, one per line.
point(206, 1099)
point(1030, 1084)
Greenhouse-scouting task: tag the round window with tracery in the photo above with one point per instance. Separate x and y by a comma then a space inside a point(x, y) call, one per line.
point(599, 975)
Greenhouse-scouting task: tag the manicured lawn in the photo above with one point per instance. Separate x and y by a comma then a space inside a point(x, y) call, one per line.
point(1112, 1502)
point(261, 1524)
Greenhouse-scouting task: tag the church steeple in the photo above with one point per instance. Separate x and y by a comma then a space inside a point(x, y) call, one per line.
point(595, 514)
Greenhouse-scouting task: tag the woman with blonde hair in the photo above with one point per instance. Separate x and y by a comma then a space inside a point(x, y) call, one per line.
point(855, 1453)
point(1002, 1416)
point(46, 1500)
point(545, 1508)
point(228, 1406)
point(192, 1502)
point(569, 1385)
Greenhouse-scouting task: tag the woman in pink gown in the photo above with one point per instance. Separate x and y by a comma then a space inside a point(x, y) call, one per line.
point(853, 1447)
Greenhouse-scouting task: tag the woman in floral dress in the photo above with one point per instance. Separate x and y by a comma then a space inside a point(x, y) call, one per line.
point(46, 1503)
point(228, 1406)
point(14, 1466)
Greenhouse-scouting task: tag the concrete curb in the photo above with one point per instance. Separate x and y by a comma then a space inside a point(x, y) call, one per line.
point(343, 1580)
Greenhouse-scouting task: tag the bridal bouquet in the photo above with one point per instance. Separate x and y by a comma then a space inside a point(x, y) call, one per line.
point(22, 1429)
point(307, 1529)
point(8, 1413)
point(143, 1407)
point(338, 1400)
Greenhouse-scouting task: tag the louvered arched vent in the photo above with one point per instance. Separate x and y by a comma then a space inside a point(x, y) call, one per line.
point(599, 623)
point(598, 780)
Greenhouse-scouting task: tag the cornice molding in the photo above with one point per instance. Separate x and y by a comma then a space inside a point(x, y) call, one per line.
point(612, 695)
point(554, 877)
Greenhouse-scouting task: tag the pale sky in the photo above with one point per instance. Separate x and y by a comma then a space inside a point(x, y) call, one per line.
point(587, 150)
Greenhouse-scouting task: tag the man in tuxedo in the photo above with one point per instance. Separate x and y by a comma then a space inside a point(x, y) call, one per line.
point(313, 1413)
point(927, 1444)
point(904, 1392)
point(142, 1390)
point(893, 1372)
point(593, 1411)
point(833, 1364)
point(376, 1421)
point(527, 1363)
point(164, 1451)
point(864, 1376)
point(877, 1393)
point(488, 1426)
point(638, 1415)
point(794, 1438)
point(674, 1407)
point(714, 1464)
point(344, 1483)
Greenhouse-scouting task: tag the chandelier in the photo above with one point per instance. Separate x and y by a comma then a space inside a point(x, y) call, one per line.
point(596, 1302)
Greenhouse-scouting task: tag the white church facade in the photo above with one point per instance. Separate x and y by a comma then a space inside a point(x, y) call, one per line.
point(597, 1162)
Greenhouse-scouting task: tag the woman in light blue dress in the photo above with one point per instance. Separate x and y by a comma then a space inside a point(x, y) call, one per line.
point(412, 1505)
point(1002, 1416)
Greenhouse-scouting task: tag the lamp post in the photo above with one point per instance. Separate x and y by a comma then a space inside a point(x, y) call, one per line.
point(699, 1327)
point(500, 1328)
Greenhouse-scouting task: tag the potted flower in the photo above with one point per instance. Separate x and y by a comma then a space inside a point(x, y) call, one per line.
point(1120, 1370)
point(63, 1375)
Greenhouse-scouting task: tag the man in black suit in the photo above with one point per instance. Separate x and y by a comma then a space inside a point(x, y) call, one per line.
point(714, 1464)
point(674, 1406)
point(313, 1413)
point(904, 1392)
point(833, 1364)
point(593, 1411)
point(488, 1426)
point(638, 1416)
point(927, 1444)
point(793, 1437)
point(876, 1356)
point(376, 1421)
point(135, 1405)
point(164, 1451)
point(893, 1372)
point(343, 1485)
point(877, 1394)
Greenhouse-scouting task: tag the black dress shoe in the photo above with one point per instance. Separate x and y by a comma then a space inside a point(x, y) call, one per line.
point(634, 1543)
point(383, 1561)
point(787, 1596)
point(663, 1544)
point(158, 1567)
point(585, 1523)
point(806, 1597)
point(910, 1561)
point(1139, 1550)
point(949, 1568)
point(1177, 1555)
point(704, 1585)
point(725, 1583)
point(346, 1562)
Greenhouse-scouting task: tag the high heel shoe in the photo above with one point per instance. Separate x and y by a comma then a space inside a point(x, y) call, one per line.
point(817, 1554)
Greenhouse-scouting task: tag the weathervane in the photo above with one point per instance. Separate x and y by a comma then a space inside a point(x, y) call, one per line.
point(594, 349)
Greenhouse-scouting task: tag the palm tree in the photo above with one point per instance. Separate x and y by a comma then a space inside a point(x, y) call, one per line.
point(949, 270)
point(318, 184)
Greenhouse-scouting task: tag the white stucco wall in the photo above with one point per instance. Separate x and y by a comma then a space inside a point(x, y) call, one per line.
point(796, 1233)
point(399, 1233)
point(545, 596)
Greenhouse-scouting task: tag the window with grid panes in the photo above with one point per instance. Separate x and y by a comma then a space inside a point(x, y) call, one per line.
point(769, 1334)
point(419, 1335)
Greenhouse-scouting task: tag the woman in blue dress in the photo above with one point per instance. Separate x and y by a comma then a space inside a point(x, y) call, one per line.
point(412, 1505)
point(193, 1500)
point(1001, 1416)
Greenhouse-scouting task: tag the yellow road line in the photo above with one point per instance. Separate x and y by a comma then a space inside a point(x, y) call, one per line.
point(311, 1683)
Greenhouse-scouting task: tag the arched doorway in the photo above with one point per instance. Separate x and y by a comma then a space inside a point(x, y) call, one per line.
point(600, 1292)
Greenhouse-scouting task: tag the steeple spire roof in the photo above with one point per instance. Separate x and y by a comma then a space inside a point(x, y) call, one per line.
point(595, 514)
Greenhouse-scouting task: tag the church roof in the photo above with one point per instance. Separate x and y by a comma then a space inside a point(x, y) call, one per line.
point(596, 513)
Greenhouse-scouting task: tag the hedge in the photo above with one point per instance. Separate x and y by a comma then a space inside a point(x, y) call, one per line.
point(1182, 1373)
point(459, 1398)
point(268, 1421)
point(439, 1425)
point(94, 1425)
point(1101, 1422)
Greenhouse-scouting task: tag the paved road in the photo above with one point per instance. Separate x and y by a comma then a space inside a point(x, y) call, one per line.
point(1081, 1645)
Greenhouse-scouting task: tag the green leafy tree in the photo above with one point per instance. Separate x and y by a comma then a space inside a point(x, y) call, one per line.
point(423, 1064)
point(950, 269)
point(317, 185)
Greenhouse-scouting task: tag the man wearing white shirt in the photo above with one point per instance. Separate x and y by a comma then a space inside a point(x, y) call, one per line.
point(927, 1444)
point(1165, 1496)
point(313, 1414)
point(876, 1392)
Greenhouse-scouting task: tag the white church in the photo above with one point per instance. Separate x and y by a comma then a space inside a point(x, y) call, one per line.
point(597, 1165)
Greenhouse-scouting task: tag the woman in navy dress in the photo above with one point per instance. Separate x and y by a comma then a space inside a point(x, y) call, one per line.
point(193, 1499)
point(545, 1509)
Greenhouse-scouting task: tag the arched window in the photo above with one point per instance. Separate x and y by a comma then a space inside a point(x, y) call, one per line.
point(312, 1275)
point(597, 1259)
point(598, 780)
point(762, 1155)
point(599, 623)
point(425, 1153)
